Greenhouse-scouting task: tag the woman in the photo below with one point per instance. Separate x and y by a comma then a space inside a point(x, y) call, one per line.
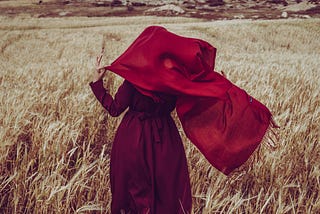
point(163, 70)
point(148, 168)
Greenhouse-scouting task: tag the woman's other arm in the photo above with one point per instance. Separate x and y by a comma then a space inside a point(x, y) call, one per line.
point(122, 98)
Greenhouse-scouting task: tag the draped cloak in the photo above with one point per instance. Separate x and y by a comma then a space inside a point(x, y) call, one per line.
point(220, 119)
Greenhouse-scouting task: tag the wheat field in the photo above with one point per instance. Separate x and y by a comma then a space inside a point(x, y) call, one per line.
point(55, 138)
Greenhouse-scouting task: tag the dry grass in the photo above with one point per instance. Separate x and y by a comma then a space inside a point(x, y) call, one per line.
point(56, 138)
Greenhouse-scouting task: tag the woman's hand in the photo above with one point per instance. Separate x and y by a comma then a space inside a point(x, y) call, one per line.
point(100, 70)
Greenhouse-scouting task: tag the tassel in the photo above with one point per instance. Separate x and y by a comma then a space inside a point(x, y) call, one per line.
point(271, 138)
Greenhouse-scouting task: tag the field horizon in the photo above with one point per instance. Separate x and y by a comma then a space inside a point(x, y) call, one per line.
point(56, 138)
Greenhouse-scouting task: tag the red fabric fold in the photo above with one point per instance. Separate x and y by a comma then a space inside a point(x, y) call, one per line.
point(222, 120)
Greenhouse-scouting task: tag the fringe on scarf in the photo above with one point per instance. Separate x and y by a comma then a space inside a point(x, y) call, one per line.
point(271, 137)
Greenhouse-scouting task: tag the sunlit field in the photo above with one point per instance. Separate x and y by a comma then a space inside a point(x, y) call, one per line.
point(55, 138)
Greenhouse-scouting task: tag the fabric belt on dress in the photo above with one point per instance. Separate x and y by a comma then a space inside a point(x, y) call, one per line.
point(156, 123)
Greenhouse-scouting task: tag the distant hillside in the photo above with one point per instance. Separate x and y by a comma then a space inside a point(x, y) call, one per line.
point(208, 9)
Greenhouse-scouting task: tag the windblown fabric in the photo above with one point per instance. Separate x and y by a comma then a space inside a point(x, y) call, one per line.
point(219, 118)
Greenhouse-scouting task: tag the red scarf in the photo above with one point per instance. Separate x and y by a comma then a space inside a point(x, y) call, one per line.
point(222, 120)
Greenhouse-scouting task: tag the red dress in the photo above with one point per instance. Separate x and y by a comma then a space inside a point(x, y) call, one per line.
point(148, 169)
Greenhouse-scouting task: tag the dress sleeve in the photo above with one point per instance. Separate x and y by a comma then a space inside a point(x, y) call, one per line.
point(121, 100)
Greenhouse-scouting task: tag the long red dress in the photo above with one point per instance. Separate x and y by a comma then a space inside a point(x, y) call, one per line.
point(148, 169)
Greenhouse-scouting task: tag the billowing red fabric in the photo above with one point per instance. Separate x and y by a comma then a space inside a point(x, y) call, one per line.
point(222, 120)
